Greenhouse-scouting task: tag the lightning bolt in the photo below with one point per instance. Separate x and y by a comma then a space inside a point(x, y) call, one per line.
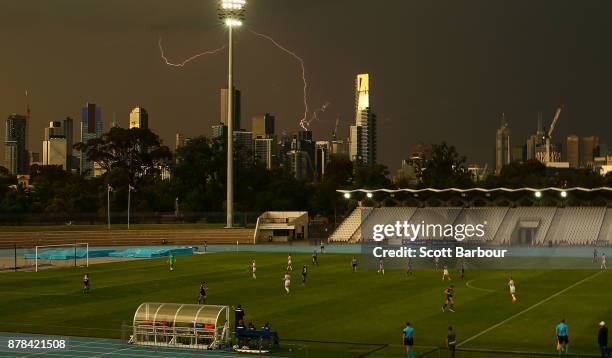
point(304, 121)
point(315, 114)
point(189, 59)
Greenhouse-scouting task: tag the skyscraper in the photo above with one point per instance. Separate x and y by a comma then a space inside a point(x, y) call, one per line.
point(16, 153)
point(363, 135)
point(590, 150)
point(91, 128)
point(502, 146)
point(572, 148)
point(55, 146)
point(322, 155)
point(139, 118)
point(265, 152)
point(236, 107)
point(262, 126)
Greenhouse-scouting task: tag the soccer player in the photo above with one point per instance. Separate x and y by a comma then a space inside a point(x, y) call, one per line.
point(410, 272)
point(322, 247)
point(408, 336)
point(562, 337)
point(450, 300)
point(253, 269)
point(304, 273)
point(512, 288)
point(202, 297)
point(171, 262)
point(594, 256)
point(238, 315)
point(289, 263)
point(315, 258)
point(381, 266)
point(86, 283)
point(604, 266)
point(436, 262)
point(462, 270)
point(287, 280)
point(445, 274)
point(354, 264)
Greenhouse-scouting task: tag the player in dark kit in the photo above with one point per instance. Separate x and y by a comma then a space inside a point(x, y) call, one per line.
point(315, 259)
point(86, 283)
point(304, 273)
point(238, 315)
point(202, 297)
point(450, 299)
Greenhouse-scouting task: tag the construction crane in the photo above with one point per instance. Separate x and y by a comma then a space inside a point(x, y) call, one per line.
point(336, 128)
point(548, 156)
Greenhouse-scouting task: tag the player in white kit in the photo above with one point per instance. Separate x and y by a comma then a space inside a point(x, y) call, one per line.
point(445, 274)
point(512, 288)
point(287, 280)
point(604, 265)
point(253, 269)
point(289, 263)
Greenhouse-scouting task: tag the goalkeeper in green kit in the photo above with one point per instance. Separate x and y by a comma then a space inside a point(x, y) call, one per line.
point(171, 262)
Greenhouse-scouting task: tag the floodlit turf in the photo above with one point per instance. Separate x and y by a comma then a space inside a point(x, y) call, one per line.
point(335, 304)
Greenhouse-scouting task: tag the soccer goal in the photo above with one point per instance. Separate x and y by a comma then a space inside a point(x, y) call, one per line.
point(60, 255)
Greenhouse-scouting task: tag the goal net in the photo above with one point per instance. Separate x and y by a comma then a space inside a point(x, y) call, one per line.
point(61, 255)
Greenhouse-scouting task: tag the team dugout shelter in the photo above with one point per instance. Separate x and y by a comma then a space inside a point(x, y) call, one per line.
point(181, 326)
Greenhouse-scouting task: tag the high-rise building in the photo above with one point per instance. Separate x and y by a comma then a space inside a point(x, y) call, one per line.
point(572, 148)
point(243, 140)
point(338, 149)
point(265, 152)
point(502, 146)
point(91, 128)
point(55, 146)
point(262, 126)
point(322, 155)
point(590, 150)
point(219, 131)
point(139, 118)
point(363, 135)
point(236, 107)
point(15, 139)
point(519, 153)
point(301, 155)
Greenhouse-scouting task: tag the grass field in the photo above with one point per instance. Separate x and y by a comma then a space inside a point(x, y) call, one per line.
point(335, 304)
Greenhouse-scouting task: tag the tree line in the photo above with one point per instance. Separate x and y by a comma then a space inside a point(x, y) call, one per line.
point(193, 179)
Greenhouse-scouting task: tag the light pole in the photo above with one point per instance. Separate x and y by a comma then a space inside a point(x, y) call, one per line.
point(232, 13)
point(108, 191)
point(130, 188)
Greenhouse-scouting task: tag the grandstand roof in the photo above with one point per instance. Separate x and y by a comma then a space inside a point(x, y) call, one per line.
point(482, 190)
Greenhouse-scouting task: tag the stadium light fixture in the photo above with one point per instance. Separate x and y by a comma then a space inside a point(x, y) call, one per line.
point(231, 12)
point(564, 194)
point(369, 195)
point(347, 195)
point(538, 194)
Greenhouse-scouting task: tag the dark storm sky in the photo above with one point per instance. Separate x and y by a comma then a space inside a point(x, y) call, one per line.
point(442, 70)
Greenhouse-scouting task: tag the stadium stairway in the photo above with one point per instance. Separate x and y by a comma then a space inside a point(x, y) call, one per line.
point(128, 237)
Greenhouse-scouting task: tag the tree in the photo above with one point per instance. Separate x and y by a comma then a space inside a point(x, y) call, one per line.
point(131, 153)
point(445, 169)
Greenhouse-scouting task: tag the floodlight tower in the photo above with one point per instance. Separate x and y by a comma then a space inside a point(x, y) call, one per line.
point(232, 14)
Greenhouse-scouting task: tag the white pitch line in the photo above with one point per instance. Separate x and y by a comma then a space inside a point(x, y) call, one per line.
point(468, 284)
point(529, 308)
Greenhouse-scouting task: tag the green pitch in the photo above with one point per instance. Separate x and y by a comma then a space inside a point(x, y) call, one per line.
point(335, 305)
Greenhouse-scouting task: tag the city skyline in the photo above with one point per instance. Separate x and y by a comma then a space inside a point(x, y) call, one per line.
point(443, 85)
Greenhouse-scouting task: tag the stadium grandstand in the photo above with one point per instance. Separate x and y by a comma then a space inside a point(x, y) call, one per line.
point(513, 224)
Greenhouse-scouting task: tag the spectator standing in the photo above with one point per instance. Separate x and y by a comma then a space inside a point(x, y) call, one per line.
point(451, 341)
point(602, 339)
